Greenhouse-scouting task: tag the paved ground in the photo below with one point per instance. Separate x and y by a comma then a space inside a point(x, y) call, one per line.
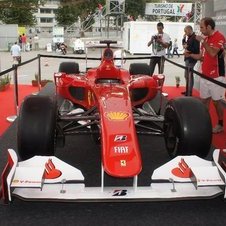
point(50, 65)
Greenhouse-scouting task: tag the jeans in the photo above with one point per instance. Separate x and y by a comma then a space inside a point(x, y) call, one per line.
point(157, 60)
point(189, 79)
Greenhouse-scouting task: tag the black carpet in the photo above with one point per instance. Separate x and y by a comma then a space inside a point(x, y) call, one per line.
point(83, 153)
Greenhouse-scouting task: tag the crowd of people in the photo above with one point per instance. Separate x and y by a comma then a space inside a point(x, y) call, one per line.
point(207, 48)
point(27, 44)
point(22, 45)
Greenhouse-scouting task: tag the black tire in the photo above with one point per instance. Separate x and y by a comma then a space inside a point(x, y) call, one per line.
point(187, 127)
point(36, 127)
point(69, 67)
point(139, 69)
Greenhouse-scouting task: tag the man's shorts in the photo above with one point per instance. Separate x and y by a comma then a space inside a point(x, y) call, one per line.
point(209, 89)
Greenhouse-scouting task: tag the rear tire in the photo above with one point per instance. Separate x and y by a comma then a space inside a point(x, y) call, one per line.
point(69, 67)
point(139, 69)
point(187, 127)
point(36, 127)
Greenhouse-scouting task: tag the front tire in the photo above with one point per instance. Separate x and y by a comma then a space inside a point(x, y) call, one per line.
point(187, 127)
point(36, 127)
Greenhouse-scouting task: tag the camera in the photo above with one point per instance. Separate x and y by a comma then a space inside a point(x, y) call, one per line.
point(155, 37)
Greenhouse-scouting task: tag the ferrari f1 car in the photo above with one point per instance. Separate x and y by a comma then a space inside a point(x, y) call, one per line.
point(113, 105)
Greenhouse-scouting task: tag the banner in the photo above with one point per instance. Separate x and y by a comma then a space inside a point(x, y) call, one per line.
point(168, 9)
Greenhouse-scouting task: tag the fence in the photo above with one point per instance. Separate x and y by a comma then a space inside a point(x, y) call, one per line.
point(14, 68)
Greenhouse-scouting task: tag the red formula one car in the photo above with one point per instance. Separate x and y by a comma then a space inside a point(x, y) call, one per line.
point(111, 100)
point(113, 105)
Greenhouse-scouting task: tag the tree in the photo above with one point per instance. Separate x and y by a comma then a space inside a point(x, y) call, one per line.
point(66, 15)
point(69, 10)
point(135, 8)
point(19, 12)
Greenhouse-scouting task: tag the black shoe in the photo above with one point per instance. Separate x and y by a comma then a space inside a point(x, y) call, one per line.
point(183, 93)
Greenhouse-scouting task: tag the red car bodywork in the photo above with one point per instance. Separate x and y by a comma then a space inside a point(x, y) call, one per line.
point(111, 90)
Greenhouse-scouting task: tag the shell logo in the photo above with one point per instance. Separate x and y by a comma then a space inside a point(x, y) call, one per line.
point(117, 115)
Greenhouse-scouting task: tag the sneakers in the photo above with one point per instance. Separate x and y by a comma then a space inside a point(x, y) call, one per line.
point(218, 129)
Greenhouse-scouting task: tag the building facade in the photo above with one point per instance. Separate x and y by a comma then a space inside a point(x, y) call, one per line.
point(46, 16)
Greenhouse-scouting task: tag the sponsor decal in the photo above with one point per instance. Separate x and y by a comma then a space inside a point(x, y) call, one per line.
point(183, 170)
point(25, 182)
point(119, 193)
point(120, 138)
point(180, 8)
point(50, 171)
point(121, 149)
point(168, 9)
point(123, 163)
point(117, 115)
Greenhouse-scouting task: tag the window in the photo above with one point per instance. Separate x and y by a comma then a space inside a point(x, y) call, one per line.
point(46, 20)
point(46, 11)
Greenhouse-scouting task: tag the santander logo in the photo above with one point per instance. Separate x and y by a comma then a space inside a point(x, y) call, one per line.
point(50, 171)
point(183, 170)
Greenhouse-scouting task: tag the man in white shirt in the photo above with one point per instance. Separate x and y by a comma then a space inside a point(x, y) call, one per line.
point(159, 42)
point(16, 53)
point(120, 53)
point(36, 42)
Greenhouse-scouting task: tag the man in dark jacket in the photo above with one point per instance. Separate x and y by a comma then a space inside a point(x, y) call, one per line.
point(191, 45)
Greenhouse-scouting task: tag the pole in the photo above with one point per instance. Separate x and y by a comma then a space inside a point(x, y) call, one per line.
point(39, 72)
point(189, 82)
point(16, 101)
point(161, 70)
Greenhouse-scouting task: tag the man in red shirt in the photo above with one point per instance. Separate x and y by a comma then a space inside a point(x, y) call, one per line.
point(24, 41)
point(213, 66)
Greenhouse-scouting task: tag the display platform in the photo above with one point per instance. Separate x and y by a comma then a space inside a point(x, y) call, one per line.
point(84, 154)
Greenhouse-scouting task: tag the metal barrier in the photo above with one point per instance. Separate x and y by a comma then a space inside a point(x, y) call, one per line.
point(190, 70)
point(14, 68)
point(39, 56)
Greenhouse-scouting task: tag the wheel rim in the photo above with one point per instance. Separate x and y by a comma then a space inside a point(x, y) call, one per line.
point(171, 139)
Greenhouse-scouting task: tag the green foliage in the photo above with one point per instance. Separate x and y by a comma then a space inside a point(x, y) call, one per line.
point(67, 15)
point(19, 11)
point(4, 80)
point(177, 78)
point(69, 10)
point(135, 8)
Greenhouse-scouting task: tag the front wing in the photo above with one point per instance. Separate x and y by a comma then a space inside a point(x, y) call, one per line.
point(72, 188)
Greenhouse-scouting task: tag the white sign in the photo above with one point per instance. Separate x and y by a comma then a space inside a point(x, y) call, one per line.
point(168, 9)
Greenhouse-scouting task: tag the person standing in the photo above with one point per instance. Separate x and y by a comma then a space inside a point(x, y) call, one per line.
point(175, 48)
point(159, 42)
point(213, 66)
point(20, 40)
point(31, 44)
point(24, 41)
point(191, 45)
point(169, 54)
point(36, 42)
point(16, 53)
point(119, 53)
